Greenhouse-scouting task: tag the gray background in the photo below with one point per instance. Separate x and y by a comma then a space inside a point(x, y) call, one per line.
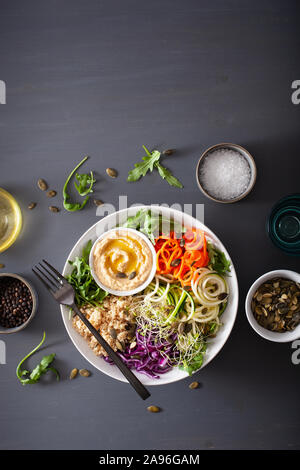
point(102, 78)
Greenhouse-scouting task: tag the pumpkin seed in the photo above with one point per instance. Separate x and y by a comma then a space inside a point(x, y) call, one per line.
point(42, 185)
point(175, 262)
point(53, 209)
point(111, 172)
point(98, 202)
point(119, 345)
point(84, 372)
point(31, 205)
point(51, 193)
point(168, 152)
point(113, 333)
point(153, 409)
point(132, 345)
point(121, 275)
point(73, 373)
point(194, 385)
point(222, 296)
point(132, 275)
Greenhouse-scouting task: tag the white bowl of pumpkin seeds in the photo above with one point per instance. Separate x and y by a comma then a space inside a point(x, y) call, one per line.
point(273, 305)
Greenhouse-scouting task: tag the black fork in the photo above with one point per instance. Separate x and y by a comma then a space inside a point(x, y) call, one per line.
point(64, 294)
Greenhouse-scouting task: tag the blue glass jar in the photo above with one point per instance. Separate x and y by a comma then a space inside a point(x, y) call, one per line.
point(284, 224)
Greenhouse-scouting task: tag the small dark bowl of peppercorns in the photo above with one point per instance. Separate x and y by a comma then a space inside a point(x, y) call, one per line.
point(18, 303)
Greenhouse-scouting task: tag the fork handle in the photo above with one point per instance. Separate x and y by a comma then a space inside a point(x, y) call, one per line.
point(132, 379)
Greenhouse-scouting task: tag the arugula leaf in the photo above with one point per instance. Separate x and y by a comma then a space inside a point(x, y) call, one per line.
point(218, 260)
point(193, 364)
point(41, 369)
point(86, 182)
point(153, 224)
point(167, 175)
point(86, 288)
point(143, 167)
point(150, 161)
point(84, 187)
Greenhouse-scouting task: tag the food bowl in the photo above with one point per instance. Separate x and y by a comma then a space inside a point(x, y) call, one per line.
point(286, 336)
point(228, 317)
point(244, 153)
point(4, 330)
point(141, 286)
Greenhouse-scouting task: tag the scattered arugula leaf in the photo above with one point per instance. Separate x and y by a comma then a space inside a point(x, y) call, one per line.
point(84, 187)
point(153, 224)
point(42, 368)
point(167, 175)
point(86, 289)
point(86, 182)
point(150, 161)
point(218, 260)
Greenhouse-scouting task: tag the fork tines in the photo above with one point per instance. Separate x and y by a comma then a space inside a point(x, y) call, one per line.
point(51, 278)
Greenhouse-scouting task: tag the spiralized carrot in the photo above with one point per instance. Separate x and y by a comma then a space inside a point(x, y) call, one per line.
point(181, 259)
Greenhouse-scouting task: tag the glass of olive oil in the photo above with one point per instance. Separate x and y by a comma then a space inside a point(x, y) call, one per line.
point(10, 220)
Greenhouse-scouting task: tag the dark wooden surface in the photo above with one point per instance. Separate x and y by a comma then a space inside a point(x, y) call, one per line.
point(102, 78)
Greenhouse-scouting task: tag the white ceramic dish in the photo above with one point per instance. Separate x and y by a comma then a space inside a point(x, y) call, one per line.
point(267, 334)
point(137, 289)
point(228, 317)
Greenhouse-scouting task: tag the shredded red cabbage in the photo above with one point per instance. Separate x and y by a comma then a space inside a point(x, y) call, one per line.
point(150, 356)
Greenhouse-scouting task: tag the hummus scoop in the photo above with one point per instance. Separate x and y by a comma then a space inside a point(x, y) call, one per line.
point(123, 261)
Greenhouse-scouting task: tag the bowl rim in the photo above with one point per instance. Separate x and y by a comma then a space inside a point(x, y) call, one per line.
point(273, 336)
point(34, 304)
point(134, 291)
point(252, 165)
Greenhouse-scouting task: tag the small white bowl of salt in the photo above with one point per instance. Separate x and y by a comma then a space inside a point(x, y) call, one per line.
point(226, 173)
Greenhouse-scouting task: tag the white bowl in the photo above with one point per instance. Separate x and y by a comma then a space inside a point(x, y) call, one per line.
point(228, 317)
point(137, 289)
point(267, 334)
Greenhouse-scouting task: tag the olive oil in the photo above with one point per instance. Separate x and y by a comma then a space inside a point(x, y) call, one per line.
point(10, 220)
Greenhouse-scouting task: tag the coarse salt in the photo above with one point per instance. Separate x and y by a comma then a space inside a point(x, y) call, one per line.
point(225, 174)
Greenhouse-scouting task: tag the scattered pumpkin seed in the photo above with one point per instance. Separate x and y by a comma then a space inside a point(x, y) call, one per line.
point(42, 185)
point(132, 345)
point(168, 152)
point(153, 409)
point(51, 193)
point(98, 202)
point(112, 172)
point(53, 209)
point(84, 372)
point(194, 385)
point(73, 373)
point(31, 205)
